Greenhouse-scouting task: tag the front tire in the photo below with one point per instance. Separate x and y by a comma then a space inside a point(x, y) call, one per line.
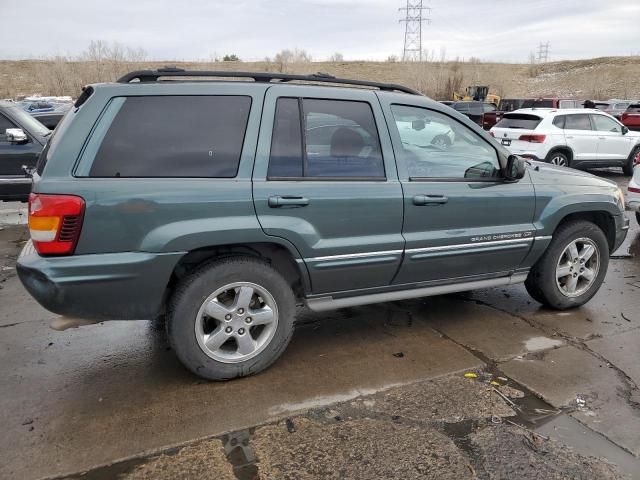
point(231, 318)
point(572, 269)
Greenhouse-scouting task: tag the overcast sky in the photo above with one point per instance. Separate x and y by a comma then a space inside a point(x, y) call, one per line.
point(502, 30)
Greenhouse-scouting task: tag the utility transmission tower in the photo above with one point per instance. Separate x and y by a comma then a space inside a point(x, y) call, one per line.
point(414, 17)
point(543, 52)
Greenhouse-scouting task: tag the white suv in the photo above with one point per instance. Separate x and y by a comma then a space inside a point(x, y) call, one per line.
point(569, 137)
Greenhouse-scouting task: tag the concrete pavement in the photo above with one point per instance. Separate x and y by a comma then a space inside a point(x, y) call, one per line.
point(111, 398)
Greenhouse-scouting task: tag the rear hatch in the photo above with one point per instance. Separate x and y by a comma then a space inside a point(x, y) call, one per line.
point(516, 131)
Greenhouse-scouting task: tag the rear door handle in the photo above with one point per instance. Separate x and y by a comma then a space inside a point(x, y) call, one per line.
point(287, 201)
point(569, 137)
point(428, 200)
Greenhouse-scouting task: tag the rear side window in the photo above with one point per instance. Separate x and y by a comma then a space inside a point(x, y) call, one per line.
point(519, 120)
point(340, 140)
point(489, 107)
point(559, 121)
point(174, 136)
point(461, 107)
point(635, 108)
point(577, 122)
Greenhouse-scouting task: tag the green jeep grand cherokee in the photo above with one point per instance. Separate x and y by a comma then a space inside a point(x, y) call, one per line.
point(223, 204)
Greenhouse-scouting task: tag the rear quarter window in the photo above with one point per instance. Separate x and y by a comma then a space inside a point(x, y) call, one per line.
point(519, 120)
point(174, 136)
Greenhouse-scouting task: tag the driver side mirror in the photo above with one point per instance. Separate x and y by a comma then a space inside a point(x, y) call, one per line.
point(16, 136)
point(515, 168)
point(625, 130)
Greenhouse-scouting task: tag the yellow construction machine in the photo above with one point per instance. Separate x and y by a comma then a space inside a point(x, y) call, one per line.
point(479, 93)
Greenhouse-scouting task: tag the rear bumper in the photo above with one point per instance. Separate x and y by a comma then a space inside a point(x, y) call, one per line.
point(111, 286)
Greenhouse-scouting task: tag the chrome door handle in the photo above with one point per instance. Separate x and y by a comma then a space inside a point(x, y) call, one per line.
point(602, 138)
point(570, 137)
point(287, 201)
point(428, 200)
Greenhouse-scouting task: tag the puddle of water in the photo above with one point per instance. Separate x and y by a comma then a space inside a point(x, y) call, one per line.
point(541, 343)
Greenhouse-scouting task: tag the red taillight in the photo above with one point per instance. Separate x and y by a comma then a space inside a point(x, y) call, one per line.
point(634, 190)
point(492, 134)
point(533, 138)
point(55, 222)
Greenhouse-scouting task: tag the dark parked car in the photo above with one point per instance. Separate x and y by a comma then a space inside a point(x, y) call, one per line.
point(506, 105)
point(223, 205)
point(552, 103)
point(22, 138)
point(474, 110)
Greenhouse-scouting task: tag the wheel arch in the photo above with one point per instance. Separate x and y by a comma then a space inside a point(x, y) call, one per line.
point(601, 218)
point(288, 264)
point(565, 149)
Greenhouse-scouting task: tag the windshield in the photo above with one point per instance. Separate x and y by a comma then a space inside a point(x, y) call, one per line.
point(28, 123)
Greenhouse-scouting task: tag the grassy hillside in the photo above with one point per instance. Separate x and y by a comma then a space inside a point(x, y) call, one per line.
point(600, 78)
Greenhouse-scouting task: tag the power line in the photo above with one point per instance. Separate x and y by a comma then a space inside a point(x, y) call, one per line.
point(413, 21)
point(543, 52)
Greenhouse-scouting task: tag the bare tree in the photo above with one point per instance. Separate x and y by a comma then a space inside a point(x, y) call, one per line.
point(285, 58)
point(336, 57)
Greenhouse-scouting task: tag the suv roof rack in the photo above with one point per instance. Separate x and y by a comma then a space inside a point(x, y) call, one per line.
point(267, 77)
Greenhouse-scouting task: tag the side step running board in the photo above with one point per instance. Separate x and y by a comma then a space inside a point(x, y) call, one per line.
point(321, 304)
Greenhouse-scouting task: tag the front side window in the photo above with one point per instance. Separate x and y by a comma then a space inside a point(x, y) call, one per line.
point(340, 140)
point(174, 136)
point(577, 122)
point(606, 124)
point(436, 146)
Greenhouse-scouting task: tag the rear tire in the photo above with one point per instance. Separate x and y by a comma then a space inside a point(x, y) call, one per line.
point(572, 269)
point(627, 169)
point(558, 158)
point(231, 318)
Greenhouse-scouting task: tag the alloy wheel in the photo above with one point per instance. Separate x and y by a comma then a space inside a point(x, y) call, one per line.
point(236, 322)
point(578, 267)
point(559, 160)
